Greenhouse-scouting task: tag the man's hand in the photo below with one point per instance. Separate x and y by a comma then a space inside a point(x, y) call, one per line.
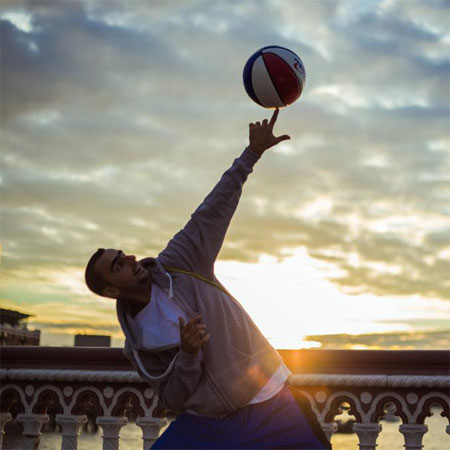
point(193, 335)
point(261, 136)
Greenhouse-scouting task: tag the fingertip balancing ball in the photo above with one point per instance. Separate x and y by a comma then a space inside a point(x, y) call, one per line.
point(274, 77)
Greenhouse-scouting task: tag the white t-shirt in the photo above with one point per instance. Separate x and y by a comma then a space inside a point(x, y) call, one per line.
point(160, 328)
point(159, 320)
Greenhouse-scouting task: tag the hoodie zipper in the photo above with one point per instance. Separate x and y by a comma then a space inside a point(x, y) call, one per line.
point(164, 270)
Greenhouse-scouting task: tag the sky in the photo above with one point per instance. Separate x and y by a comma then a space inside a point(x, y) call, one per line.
point(117, 118)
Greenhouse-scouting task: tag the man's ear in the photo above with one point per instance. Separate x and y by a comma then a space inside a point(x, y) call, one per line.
point(111, 292)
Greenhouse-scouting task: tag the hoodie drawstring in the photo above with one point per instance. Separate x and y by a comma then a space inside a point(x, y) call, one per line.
point(167, 274)
point(144, 371)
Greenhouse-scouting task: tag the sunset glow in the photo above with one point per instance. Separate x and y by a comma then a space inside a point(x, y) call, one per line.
point(119, 117)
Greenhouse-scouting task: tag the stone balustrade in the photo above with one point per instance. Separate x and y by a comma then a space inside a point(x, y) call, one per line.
point(73, 387)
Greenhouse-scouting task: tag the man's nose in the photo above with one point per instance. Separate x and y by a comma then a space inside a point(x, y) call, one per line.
point(130, 258)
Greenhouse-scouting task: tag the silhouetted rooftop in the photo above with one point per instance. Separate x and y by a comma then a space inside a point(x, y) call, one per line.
point(11, 317)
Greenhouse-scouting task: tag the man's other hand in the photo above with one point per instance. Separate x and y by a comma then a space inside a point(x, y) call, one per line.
point(193, 335)
point(261, 136)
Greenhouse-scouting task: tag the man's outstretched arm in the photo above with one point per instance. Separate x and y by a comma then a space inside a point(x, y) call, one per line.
point(196, 246)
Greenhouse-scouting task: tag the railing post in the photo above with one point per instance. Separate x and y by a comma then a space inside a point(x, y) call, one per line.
point(329, 429)
point(71, 426)
point(111, 430)
point(367, 434)
point(4, 419)
point(32, 424)
point(151, 427)
point(413, 434)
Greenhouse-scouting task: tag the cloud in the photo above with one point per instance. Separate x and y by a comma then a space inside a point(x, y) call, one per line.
point(118, 119)
point(428, 340)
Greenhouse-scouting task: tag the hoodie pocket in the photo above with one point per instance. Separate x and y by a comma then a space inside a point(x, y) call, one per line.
point(240, 377)
point(238, 354)
point(238, 363)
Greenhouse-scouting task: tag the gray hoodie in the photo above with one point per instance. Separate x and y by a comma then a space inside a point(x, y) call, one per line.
point(237, 360)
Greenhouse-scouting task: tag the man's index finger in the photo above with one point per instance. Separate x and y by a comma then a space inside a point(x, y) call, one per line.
point(274, 117)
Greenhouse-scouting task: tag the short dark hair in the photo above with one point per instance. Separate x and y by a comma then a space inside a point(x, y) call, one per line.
point(95, 282)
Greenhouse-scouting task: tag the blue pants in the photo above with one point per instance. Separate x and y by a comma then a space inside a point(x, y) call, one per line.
point(276, 423)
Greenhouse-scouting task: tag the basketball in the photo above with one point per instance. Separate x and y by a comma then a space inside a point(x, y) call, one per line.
point(274, 77)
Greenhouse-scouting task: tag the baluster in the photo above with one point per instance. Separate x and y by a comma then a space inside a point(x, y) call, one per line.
point(151, 427)
point(4, 419)
point(367, 434)
point(111, 430)
point(413, 434)
point(32, 424)
point(329, 429)
point(71, 425)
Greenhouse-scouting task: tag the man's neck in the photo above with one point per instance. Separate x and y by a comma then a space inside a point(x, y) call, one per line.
point(136, 308)
point(139, 299)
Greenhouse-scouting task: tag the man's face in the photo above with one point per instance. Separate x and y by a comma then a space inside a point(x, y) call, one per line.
point(121, 271)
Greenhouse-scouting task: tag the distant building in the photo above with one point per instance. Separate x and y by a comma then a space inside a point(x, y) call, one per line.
point(14, 331)
point(92, 340)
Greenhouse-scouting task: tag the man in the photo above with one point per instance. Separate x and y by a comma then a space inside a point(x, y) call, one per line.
point(193, 342)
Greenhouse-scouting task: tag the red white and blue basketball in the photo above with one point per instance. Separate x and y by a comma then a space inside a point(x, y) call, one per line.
point(274, 77)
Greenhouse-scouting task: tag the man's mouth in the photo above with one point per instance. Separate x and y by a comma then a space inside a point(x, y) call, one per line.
point(138, 268)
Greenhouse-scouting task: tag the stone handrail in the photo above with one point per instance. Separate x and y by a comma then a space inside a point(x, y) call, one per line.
point(73, 385)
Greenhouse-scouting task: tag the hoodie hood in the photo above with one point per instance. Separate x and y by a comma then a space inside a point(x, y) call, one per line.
point(133, 332)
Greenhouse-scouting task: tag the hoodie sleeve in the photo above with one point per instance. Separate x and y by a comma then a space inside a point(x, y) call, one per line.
point(197, 245)
point(175, 389)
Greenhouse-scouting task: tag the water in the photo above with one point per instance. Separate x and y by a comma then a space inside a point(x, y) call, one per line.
point(389, 439)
